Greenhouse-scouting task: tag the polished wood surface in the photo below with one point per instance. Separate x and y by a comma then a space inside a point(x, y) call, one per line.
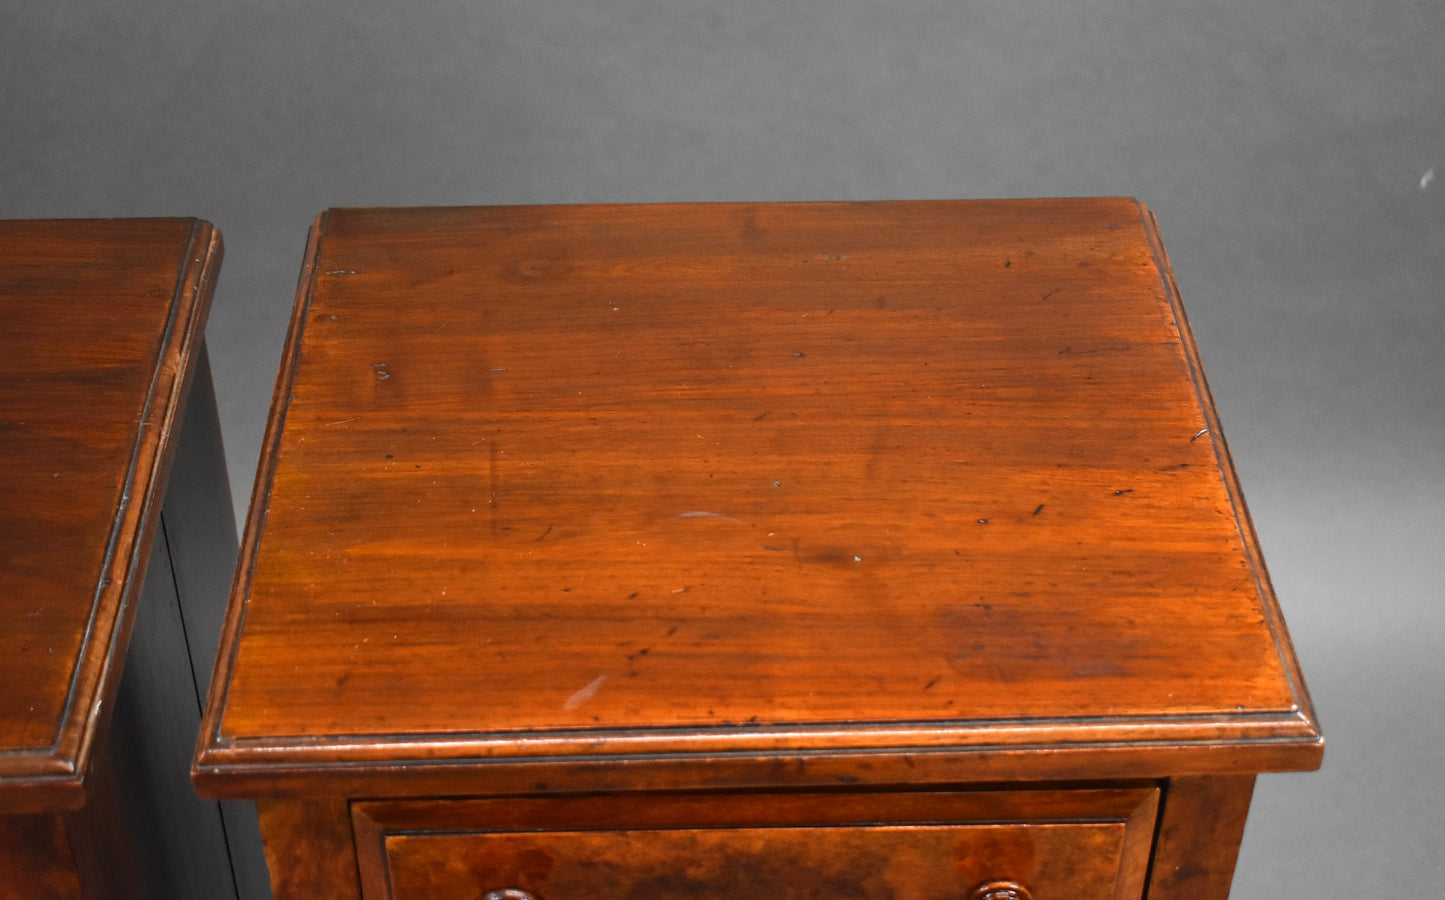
point(310, 848)
point(1201, 826)
point(103, 320)
point(118, 539)
point(1078, 843)
point(882, 549)
point(581, 498)
point(39, 860)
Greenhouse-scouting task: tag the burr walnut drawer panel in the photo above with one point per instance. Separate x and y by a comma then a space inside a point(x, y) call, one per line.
point(1001, 845)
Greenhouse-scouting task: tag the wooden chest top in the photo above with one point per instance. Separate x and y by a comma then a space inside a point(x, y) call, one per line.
point(580, 496)
point(101, 322)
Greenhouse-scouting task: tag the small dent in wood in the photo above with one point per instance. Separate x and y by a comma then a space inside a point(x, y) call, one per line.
point(847, 545)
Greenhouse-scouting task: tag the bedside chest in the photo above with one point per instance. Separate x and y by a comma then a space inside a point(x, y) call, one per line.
point(807, 550)
point(118, 539)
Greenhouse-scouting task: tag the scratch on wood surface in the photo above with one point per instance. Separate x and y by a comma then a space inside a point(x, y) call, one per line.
point(494, 484)
point(587, 693)
point(704, 514)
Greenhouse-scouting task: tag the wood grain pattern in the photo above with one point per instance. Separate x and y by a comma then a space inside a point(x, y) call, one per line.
point(1084, 843)
point(310, 849)
point(36, 857)
point(1200, 828)
point(102, 318)
point(907, 862)
point(103, 332)
point(746, 485)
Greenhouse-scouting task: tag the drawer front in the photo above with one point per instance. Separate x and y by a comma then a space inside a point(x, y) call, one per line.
point(1075, 845)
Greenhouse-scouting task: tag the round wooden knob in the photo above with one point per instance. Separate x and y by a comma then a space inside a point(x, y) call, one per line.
point(508, 894)
point(1001, 890)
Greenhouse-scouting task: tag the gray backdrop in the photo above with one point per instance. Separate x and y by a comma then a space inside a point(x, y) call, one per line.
point(1287, 146)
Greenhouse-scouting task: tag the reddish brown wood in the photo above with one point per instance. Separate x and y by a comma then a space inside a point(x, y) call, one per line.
point(96, 852)
point(36, 857)
point(1201, 825)
point(756, 497)
point(103, 331)
point(758, 479)
point(310, 849)
point(99, 330)
point(908, 845)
